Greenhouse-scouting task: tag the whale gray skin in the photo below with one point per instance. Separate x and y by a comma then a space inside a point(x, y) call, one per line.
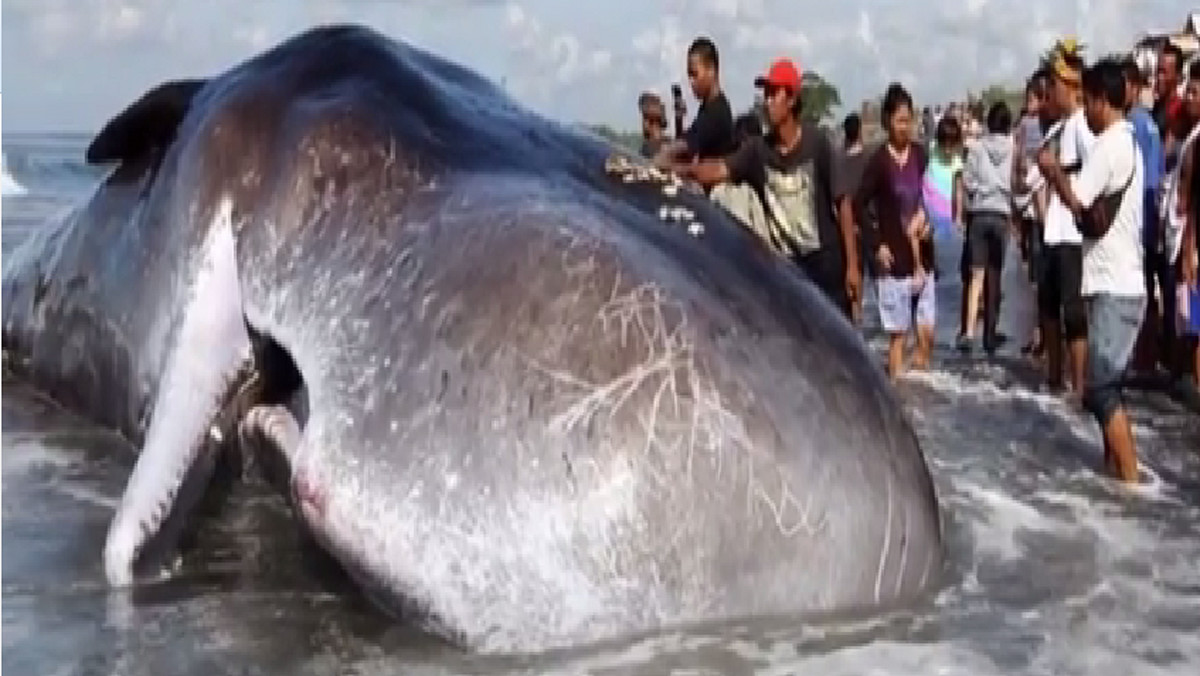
point(520, 408)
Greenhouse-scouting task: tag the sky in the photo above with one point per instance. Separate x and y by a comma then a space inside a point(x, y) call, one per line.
point(69, 65)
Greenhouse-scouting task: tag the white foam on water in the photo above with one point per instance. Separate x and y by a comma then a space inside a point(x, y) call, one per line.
point(1006, 516)
point(987, 390)
point(26, 456)
point(88, 495)
point(25, 452)
point(887, 658)
point(8, 184)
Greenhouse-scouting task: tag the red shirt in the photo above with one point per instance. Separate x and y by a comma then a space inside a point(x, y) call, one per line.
point(1169, 115)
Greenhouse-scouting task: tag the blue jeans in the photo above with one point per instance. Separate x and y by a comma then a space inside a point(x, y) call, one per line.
point(1113, 323)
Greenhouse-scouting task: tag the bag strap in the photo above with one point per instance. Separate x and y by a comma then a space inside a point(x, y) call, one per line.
point(1132, 165)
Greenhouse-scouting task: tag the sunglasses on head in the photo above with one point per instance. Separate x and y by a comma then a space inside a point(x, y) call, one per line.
point(1072, 81)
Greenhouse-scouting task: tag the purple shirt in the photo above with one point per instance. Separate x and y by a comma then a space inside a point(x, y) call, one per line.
point(906, 185)
point(895, 193)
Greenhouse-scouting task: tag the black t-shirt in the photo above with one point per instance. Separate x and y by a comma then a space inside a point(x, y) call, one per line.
point(812, 160)
point(1194, 196)
point(711, 134)
point(849, 173)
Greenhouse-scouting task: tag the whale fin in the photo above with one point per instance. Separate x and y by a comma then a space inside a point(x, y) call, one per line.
point(147, 124)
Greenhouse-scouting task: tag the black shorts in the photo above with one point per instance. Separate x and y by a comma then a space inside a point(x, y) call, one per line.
point(987, 236)
point(1033, 247)
point(826, 269)
point(1060, 288)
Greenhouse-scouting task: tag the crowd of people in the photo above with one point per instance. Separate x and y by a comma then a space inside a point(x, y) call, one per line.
point(1096, 176)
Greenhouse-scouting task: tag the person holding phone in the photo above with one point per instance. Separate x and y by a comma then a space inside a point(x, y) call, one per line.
point(711, 133)
point(1105, 197)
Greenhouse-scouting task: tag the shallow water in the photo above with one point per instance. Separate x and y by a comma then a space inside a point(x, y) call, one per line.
point(1052, 568)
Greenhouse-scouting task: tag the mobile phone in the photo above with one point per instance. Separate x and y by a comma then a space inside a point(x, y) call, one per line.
point(680, 108)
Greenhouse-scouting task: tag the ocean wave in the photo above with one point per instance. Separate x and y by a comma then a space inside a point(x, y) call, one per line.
point(46, 162)
point(9, 184)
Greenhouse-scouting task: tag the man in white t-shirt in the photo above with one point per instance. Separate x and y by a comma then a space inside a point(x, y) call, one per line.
point(1106, 198)
point(1061, 310)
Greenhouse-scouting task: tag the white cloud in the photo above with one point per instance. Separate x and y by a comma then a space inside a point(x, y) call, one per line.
point(81, 59)
point(767, 36)
point(864, 28)
point(120, 22)
point(550, 60)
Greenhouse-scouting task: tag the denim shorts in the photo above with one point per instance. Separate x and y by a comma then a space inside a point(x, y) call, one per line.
point(899, 300)
point(1113, 324)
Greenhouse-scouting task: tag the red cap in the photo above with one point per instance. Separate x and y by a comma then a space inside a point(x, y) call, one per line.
point(783, 73)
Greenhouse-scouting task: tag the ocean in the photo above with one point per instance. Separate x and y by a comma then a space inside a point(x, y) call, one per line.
point(1053, 569)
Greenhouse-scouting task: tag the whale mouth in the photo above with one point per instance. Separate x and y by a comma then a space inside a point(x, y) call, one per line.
point(282, 395)
point(190, 487)
point(269, 381)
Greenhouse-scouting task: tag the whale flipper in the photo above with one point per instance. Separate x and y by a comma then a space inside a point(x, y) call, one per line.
point(147, 124)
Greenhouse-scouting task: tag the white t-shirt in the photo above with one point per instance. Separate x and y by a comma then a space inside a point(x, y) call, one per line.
point(1113, 263)
point(1074, 146)
point(1168, 212)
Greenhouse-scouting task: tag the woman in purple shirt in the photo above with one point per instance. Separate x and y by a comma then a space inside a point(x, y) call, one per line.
point(899, 237)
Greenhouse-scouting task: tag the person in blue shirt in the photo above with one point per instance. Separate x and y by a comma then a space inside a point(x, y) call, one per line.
point(1157, 269)
point(1145, 131)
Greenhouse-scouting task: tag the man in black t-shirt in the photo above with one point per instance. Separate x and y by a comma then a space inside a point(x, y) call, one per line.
point(793, 168)
point(711, 133)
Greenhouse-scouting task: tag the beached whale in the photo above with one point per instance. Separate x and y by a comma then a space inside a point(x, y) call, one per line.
point(529, 397)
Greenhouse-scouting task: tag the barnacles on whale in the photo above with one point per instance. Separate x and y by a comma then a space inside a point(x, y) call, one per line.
point(633, 171)
point(680, 214)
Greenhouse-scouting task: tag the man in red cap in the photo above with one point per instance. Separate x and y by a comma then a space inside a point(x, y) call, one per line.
point(793, 169)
